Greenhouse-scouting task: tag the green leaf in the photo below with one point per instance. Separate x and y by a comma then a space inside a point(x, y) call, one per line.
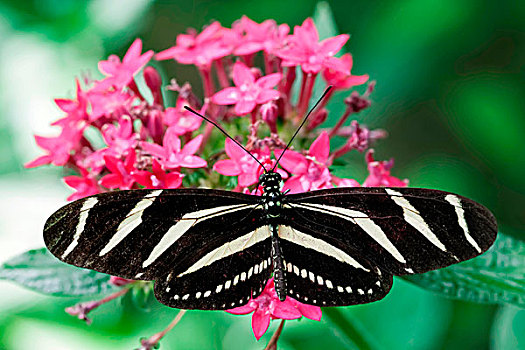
point(498, 276)
point(42, 272)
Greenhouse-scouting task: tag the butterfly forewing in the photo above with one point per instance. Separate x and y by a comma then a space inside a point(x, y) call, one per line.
point(402, 230)
point(144, 234)
point(321, 274)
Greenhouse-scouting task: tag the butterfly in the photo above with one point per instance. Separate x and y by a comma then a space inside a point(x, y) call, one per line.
point(214, 250)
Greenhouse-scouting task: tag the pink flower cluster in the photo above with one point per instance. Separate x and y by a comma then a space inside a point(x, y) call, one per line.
point(147, 144)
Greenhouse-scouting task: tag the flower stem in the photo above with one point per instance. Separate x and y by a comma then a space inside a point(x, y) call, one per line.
point(152, 341)
point(272, 344)
point(268, 69)
point(221, 74)
point(207, 81)
point(306, 94)
point(133, 86)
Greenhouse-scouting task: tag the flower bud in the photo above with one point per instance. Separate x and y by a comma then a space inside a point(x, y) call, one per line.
point(154, 82)
point(269, 112)
point(317, 119)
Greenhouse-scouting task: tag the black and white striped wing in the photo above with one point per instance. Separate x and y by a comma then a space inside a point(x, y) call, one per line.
point(196, 236)
point(400, 230)
point(320, 273)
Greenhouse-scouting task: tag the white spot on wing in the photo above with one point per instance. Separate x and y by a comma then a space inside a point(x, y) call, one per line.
point(455, 201)
point(84, 213)
point(132, 220)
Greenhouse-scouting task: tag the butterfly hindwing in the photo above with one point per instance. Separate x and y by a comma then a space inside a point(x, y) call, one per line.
point(321, 274)
point(402, 230)
point(143, 234)
point(224, 278)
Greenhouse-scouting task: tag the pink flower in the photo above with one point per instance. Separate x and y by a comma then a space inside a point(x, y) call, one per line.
point(180, 119)
point(59, 148)
point(311, 171)
point(345, 182)
point(171, 155)
point(241, 164)
point(112, 104)
point(120, 138)
point(120, 74)
point(248, 91)
point(304, 49)
point(84, 185)
point(121, 172)
point(266, 36)
point(267, 306)
point(158, 178)
point(76, 109)
point(200, 50)
point(380, 173)
point(343, 80)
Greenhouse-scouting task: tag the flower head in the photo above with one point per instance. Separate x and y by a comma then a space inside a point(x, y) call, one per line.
point(84, 185)
point(158, 178)
point(380, 173)
point(180, 120)
point(310, 172)
point(120, 74)
point(248, 92)
point(200, 50)
point(304, 49)
point(267, 306)
point(342, 79)
point(267, 36)
point(171, 155)
point(121, 172)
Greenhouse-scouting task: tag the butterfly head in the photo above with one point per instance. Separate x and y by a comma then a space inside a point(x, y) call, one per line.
point(270, 181)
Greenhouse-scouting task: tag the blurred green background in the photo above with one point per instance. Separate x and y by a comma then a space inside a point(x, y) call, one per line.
point(450, 92)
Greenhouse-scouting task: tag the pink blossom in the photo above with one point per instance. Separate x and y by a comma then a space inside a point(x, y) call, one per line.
point(304, 49)
point(109, 103)
point(180, 119)
point(121, 172)
point(158, 178)
point(84, 185)
point(267, 306)
point(120, 74)
point(265, 36)
point(76, 109)
point(119, 138)
point(171, 155)
point(310, 172)
point(200, 50)
point(343, 80)
point(241, 164)
point(380, 173)
point(59, 148)
point(248, 92)
point(345, 182)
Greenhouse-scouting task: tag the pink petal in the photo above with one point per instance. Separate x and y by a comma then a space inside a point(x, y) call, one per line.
point(134, 51)
point(234, 151)
point(193, 162)
point(192, 146)
point(167, 54)
point(242, 74)
point(246, 180)
point(309, 311)
point(348, 60)
point(73, 181)
point(320, 148)
point(111, 181)
point(294, 184)
point(209, 32)
point(354, 80)
point(244, 107)
point(308, 31)
point(260, 323)
point(173, 180)
point(112, 164)
point(226, 96)
point(241, 310)
point(39, 161)
point(153, 149)
point(171, 141)
point(285, 310)
point(336, 64)
point(227, 167)
point(143, 177)
point(269, 81)
point(292, 161)
point(331, 46)
point(267, 95)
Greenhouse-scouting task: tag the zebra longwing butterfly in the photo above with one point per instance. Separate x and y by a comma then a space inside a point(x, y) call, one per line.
point(213, 250)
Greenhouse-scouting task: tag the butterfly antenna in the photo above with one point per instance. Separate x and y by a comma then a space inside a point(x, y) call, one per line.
point(225, 133)
point(300, 126)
